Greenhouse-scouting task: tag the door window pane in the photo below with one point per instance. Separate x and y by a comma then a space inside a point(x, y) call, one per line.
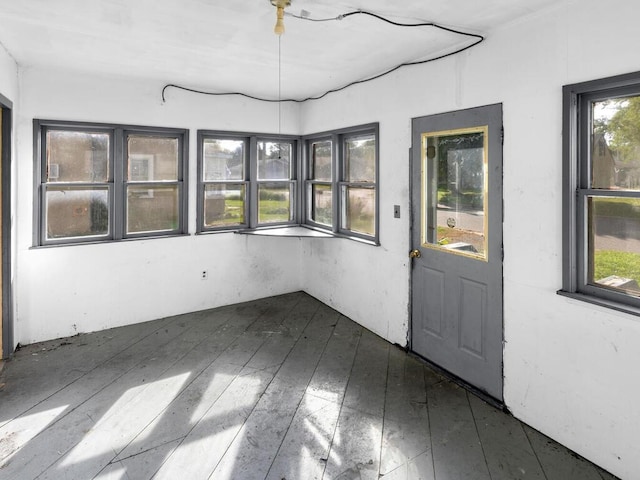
point(274, 203)
point(224, 205)
point(152, 209)
point(359, 206)
point(454, 179)
point(76, 212)
point(223, 159)
point(274, 160)
point(321, 204)
point(77, 156)
point(614, 243)
point(360, 159)
point(152, 158)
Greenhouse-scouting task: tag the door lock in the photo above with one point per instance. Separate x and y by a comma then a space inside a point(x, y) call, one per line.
point(415, 253)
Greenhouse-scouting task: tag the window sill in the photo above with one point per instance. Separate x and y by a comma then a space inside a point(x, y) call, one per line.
point(289, 231)
point(106, 242)
point(617, 306)
point(303, 231)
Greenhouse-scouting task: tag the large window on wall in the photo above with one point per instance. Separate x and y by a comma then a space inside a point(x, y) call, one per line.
point(97, 182)
point(246, 181)
point(342, 182)
point(602, 192)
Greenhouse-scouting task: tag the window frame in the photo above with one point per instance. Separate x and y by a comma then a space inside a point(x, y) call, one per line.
point(251, 180)
point(577, 122)
point(116, 182)
point(339, 181)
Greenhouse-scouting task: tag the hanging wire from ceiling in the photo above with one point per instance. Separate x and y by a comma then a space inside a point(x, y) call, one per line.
point(477, 40)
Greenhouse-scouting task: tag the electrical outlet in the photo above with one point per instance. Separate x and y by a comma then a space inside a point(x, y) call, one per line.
point(204, 275)
point(396, 211)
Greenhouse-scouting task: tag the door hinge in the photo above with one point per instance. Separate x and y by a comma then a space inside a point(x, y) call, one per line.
point(502, 135)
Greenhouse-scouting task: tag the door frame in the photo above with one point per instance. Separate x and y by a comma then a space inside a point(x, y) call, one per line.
point(410, 337)
point(5, 228)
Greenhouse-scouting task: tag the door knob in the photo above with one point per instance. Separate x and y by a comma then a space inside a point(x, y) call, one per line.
point(415, 253)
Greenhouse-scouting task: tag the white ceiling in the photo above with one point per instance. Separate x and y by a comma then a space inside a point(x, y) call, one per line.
point(229, 45)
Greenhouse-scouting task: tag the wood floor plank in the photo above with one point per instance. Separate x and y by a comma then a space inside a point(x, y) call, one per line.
point(67, 360)
point(406, 441)
point(507, 449)
point(139, 467)
point(146, 364)
point(457, 451)
point(210, 439)
point(261, 436)
point(305, 448)
point(558, 462)
point(356, 445)
point(192, 403)
point(221, 424)
point(55, 409)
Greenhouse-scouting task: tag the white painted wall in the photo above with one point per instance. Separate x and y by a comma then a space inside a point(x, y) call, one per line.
point(570, 368)
point(65, 290)
point(8, 75)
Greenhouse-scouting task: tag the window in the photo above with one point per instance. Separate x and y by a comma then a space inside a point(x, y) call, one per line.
point(602, 191)
point(249, 181)
point(223, 183)
point(246, 181)
point(98, 182)
point(342, 182)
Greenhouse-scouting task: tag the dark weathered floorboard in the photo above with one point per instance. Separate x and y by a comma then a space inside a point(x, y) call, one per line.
point(406, 441)
point(279, 388)
point(457, 451)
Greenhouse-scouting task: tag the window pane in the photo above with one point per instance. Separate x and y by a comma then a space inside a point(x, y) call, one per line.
point(152, 209)
point(359, 206)
point(274, 203)
point(224, 205)
point(615, 152)
point(321, 161)
point(321, 204)
point(223, 159)
point(77, 156)
point(274, 160)
point(77, 212)
point(360, 159)
point(614, 243)
point(152, 159)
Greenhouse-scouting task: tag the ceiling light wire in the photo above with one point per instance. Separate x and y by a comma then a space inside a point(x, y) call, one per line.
point(279, 84)
point(478, 39)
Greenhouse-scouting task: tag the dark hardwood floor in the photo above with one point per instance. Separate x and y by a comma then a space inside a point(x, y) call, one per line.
point(280, 388)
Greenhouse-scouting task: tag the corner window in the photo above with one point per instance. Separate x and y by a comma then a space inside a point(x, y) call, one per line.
point(246, 181)
point(602, 191)
point(99, 182)
point(342, 182)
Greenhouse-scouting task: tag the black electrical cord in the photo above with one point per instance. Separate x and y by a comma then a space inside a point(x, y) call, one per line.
point(478, 39)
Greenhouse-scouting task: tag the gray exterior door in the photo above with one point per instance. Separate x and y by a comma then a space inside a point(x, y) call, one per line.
point(456, 169)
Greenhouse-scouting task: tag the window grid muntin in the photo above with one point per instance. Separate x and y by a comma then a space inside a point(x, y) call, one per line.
point(343, 184)
point(243, 181)
point(116, 166)
point(577, 151)
point(252, 183)
point(151, 185)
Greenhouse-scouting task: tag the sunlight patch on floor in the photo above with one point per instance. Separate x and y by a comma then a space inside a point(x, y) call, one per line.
point(17, 433)
point(126, 417)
